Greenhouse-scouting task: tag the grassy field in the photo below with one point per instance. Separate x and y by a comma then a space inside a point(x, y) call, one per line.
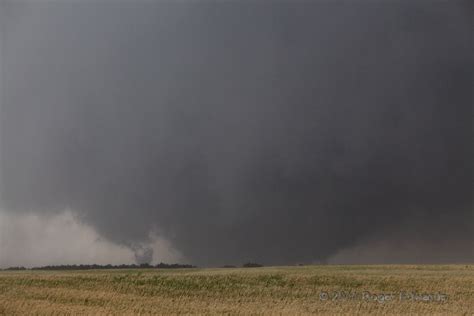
point(271, 290)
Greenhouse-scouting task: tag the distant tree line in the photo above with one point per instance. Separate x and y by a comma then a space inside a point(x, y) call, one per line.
point(161, 265)
point(14, 269)
point(252, 265)
point(245, 265)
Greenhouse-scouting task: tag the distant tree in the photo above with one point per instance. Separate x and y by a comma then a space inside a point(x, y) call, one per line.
point(15, 268)
point(252, 265)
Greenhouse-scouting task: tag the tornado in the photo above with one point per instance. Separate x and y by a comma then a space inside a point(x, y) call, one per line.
point(272, 132)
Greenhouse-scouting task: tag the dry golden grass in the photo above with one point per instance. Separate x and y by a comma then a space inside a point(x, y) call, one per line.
point(271, 290)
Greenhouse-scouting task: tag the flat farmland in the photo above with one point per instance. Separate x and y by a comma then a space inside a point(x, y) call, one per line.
point(319, 289)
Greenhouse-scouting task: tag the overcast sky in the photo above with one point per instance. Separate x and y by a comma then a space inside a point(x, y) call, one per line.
point(217, 132)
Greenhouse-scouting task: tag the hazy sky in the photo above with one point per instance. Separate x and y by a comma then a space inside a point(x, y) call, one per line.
point(218, 132)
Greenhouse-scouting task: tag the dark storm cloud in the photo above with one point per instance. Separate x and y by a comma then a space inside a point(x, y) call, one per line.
point(272, 131)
